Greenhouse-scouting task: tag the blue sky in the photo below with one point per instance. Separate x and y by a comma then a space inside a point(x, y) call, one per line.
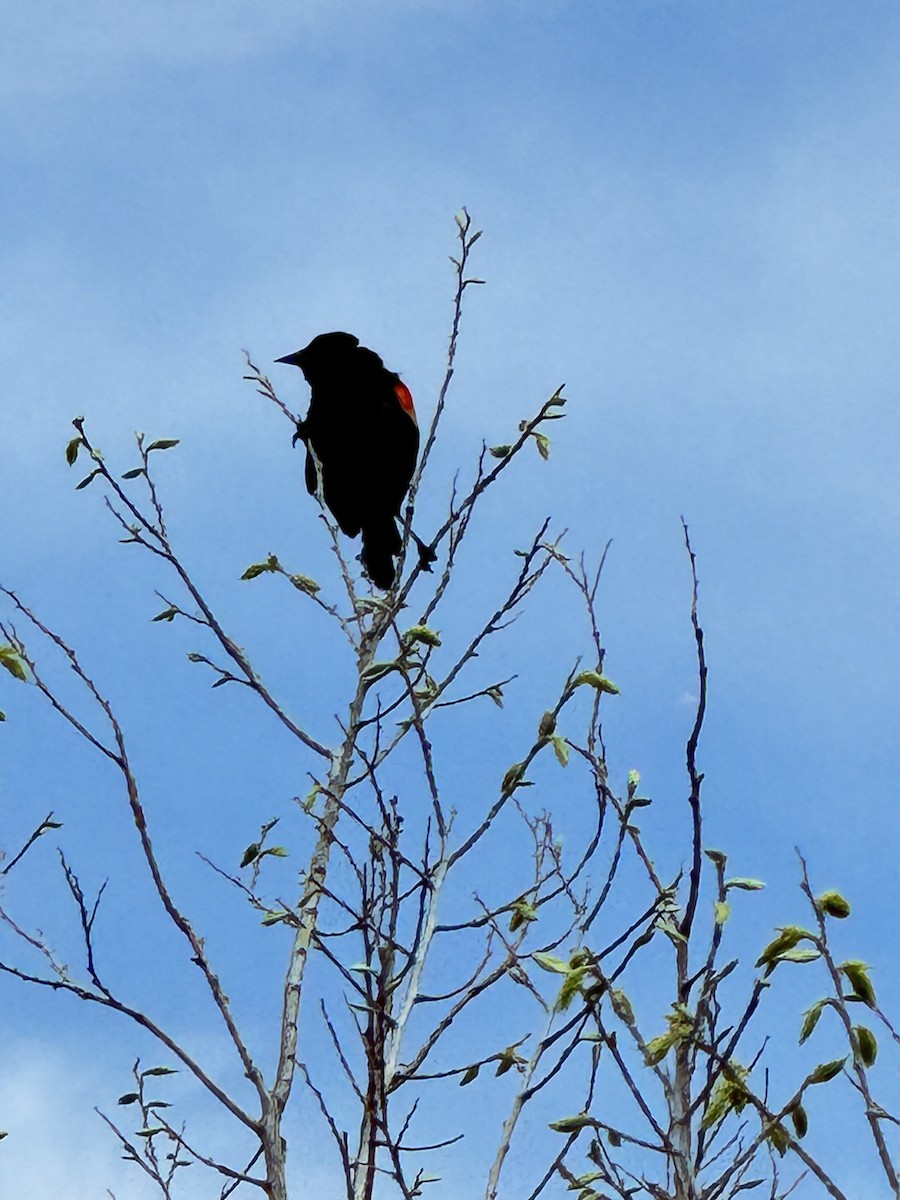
point(691, 218)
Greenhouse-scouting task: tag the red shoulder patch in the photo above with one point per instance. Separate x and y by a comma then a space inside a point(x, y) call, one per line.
point(404, 395)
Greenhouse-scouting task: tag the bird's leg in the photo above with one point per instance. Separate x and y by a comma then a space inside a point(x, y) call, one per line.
point(302, 434)
point(426, 555)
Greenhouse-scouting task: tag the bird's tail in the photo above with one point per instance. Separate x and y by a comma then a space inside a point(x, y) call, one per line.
point(380, 542)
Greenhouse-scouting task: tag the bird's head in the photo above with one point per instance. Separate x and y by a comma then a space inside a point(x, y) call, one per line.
point(325, 351)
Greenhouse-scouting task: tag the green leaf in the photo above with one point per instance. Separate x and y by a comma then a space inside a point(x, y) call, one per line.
point(421, 633)
point(257, 569)
point(2, 716)
point(834, 904)
point(571, 1124)
point(303, 583)
point(508, 1059)
point(496, 694)
point(800, 954)
point(276, 917)
point(745, 885)
point(12, 662)
point(543, 445)
point(866, 1044)
point(571, 987)
point(799, 1120)
point(251, 854)
point(827, 1070)
point(500, 451)
point(150, 1131)
point(129, 1098)
point(470, 1075)
point(722, 911)
point(729, 1094)
point(717, 857)
point(159, 1071)
point(811, 1019)
point(788, 938)
point(596, 680)
point(3, 1133)
point(513, 778)
point(163, 444)
point(547, 725)
point(378, 670)
point(72, 450)
point(168, 614)
point(560, 749)
point(522, 912)
point(780, 1139)
point(133, 473)
point(549, 962)
point(659, 1047)
point(87, 479)
point(857, 974)
point(622, 1006)
point(275, 852)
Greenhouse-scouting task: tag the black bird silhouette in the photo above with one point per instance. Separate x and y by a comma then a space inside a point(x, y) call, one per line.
point(362, 428)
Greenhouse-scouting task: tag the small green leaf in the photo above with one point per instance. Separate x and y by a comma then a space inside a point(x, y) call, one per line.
point(788, 938)
point(251, 854)
point(129, 1098)
point(867, 1045)
point(500, 451)
point(12, 662)
point(87, 479)
point(3, 1134)
point(780, 1139)
point(522, 912)
point(150, 1131)
point(722, 911)
point(571, 987)
point(275, 852)
point(622, 1006)
point(421, 633)
point(857, 974)
point(513, 778)
point(811, 1019)
point(827, 1070)
point(377, 670)
point(163, 444)
point(543, 445)
point(159, 1071)
point(72, 450)
point(276, 917)
point(834, 904)
point(2, 716)
point(571, 1124)
point(257, 569)
point(800, 954)
point(133, 473)
point(596, 680)
point(168, 614)
point(547, 725)
point(549, 962)
point(659, 1047)
point(745, 885)
point(799, 1120)
point(470, 1075)
point(496, 694)
point(509, 1058)
point(560, 749)
point(717, 857)
point(303, 583)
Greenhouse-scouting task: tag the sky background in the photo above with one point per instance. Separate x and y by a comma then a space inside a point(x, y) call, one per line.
point(692, 217)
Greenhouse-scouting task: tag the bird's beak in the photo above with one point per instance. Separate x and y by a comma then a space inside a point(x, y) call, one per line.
point(293, 360)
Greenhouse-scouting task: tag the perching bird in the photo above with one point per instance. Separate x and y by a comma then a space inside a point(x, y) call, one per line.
point(362, 427)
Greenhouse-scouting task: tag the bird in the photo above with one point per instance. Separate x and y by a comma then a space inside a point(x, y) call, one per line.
point(362, 429)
